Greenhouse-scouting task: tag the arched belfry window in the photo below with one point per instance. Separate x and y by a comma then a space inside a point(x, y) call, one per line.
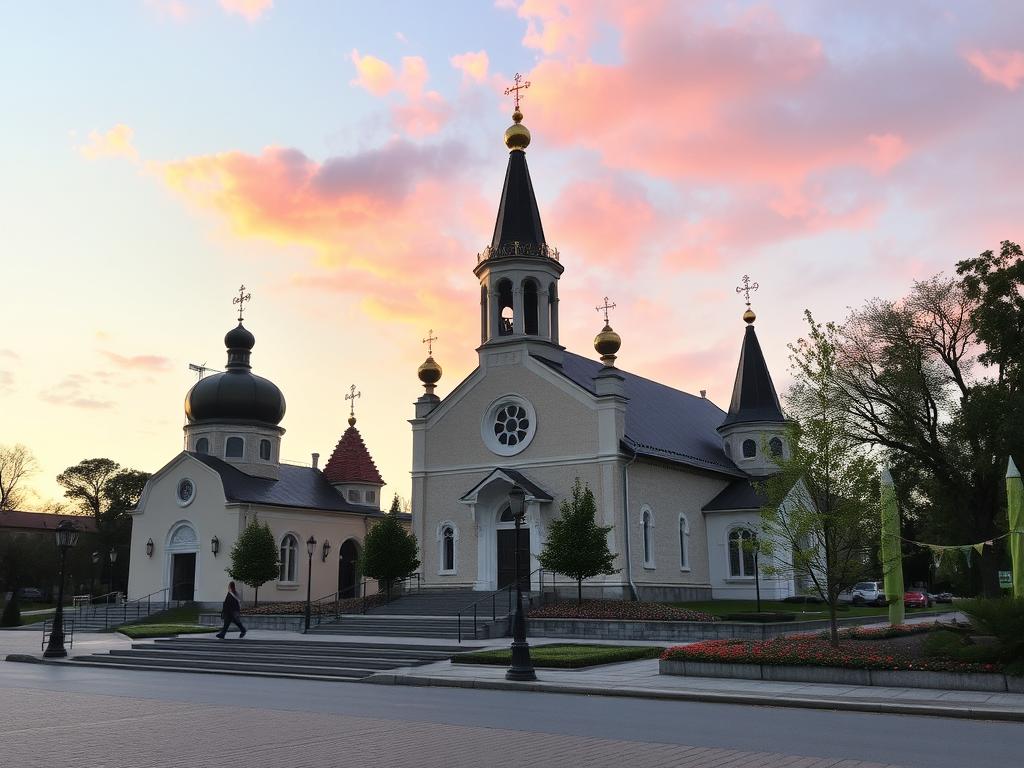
point(531, 320)
point(265, 450)
point(234, 448)
point(505, 310)
point(553, 311)
point(775, 446)
point(749, 449)
point(202, 445)
point(483, 314)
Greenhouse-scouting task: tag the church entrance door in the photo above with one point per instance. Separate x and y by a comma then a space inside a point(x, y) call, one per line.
point(183, 576)
point(347, 557)
point(507, 557)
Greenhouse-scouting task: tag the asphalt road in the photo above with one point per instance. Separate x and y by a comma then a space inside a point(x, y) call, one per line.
point(909, 741)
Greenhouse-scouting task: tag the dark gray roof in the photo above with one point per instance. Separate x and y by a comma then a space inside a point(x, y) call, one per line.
point(518, 216)
point(753, 394)
point(302, 487)
point(661, 422)
point(518, 478)
point(739, 494)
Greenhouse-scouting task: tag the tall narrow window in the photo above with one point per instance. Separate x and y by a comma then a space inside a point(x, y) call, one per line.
point(742, 542)
point(265, 450)
point(684, 543)
point(530, 317)
point(775, 446)
point(749, 449)
point(289, 550)
point(646, 523)
point(202, 445)
point(234, 447)
point(506, 320)
point(448, 541)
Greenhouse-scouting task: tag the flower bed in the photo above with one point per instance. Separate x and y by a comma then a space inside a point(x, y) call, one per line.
point(881, 633)
point(815, 651)
point(298, 607)
point(623, 610)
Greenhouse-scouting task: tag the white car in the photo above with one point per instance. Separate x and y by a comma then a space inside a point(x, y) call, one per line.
point(865, 593)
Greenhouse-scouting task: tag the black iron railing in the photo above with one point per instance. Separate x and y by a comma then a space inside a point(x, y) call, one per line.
point(328, 607)
point(69, 632)
point(473, 609)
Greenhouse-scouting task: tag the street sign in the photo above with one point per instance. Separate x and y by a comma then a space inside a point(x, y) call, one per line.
point(1006, 579)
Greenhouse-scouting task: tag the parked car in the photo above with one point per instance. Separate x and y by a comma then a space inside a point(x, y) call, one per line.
point(917, 599)
point(864, 593)
point(942, 597)
point(31, 593)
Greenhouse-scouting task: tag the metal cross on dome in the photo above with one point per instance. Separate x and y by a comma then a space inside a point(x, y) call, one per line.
point(604, 308)
point(513, 90)
point(429, 341)
point(352, 395)
point(240, 300)
point(746, 288)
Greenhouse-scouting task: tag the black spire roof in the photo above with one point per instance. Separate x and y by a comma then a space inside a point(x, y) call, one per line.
point(518, 215)
point(753, 394)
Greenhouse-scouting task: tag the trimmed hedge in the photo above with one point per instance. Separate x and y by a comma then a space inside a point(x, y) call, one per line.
point(564, 655)
point(623, 610)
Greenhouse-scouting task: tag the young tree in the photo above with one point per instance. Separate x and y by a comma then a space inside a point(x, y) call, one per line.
point(820, 515)
point(389, 551)
point(254, 557)
point(577, 546)
point(16, 464)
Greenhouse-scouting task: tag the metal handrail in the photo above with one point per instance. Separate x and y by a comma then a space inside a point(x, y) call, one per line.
point(493, 597)
point(119, 614)
point(335, 598)
point(68, 627)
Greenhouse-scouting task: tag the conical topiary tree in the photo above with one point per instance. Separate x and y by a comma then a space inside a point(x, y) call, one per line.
point(577, 546)
point(254, 557)
point(389, 551)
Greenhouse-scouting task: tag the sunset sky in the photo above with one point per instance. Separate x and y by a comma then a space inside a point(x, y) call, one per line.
point(344, 161)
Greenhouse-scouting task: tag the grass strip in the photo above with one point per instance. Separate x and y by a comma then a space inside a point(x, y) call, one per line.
point(137, 631)
point(565, 655)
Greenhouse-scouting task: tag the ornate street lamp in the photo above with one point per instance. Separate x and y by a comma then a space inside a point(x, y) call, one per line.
point(113, 559)
point(522, 667)
point(67, 537)
point(310, 549)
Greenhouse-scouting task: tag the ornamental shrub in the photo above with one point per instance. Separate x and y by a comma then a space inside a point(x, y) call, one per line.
point(1002, 618)
point(12, 613)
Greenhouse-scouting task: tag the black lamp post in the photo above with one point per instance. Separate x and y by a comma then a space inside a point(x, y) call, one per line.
point(310, 549)
point(67, 537)
point(757, 571)
point(92, 573)
point(522, 667)
point(113, 559)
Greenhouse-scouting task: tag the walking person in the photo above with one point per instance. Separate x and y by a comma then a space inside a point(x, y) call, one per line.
point(231, 612)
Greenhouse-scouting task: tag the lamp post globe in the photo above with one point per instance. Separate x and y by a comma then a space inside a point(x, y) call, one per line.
point(310, 549)
point(67, 537)
point(521, 667)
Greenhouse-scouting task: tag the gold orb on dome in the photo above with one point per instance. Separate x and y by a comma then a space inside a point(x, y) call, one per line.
point(429, 372)
point(749, 316)
point(517, 136)
point(351, 421)
point(607, 342)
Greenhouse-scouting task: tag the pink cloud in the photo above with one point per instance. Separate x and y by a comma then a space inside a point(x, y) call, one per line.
point(176, 10)
point(416, 113)
point(117, 142)
point(473, 65)
point(74, 390)
point(1002, 66)
point(139, 362)
point(251, 10)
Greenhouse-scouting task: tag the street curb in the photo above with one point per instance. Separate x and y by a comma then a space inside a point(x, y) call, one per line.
point(962, 712)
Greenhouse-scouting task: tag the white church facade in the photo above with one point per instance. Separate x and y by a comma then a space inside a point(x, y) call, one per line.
point(670, 471)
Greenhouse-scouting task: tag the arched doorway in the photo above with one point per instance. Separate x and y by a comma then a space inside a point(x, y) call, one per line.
point(348, 557)
point(182, 549)
point(506, 535)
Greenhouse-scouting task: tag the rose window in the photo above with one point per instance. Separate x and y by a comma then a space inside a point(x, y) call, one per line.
point(511, 425)
point(508, 425)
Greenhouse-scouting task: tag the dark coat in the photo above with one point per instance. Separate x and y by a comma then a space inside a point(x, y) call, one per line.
point(231, 607)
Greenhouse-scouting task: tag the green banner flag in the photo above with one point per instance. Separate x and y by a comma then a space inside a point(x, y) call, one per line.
point(892, 554)
point(1015, 511)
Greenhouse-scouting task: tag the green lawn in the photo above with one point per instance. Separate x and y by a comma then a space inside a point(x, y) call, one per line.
point(186, 614)
point(565, 655)
point(136, 631)
point(803, 611)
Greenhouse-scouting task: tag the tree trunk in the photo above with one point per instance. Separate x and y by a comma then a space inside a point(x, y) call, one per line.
point(256, 597)
point(833, 624)
point(579, 592)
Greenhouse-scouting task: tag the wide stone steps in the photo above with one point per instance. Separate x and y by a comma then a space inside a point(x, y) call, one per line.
point(267, 658)
point(403, 626)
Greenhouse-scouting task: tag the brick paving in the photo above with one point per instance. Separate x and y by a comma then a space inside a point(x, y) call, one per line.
point(44, 728)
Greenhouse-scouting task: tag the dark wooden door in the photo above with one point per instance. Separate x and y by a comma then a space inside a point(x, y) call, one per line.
point(507, 557)
point(183, 577)
point(347, 558)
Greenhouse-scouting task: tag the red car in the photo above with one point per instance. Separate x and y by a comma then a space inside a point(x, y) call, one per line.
point(916, 600)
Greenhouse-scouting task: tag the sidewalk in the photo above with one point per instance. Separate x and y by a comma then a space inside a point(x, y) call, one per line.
point(640, 679)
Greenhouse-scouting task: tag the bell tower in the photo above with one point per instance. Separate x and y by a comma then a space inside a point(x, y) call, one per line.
point(519, 271)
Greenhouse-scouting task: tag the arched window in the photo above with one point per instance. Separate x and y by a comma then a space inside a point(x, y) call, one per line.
point(749, 449)
point(684, 543)
point(202, 445)
point(506, 516)
point(553, 311)
point(742, 542)
point(505, 310)
point(775, 446)
point(265, 450)
point(647, 523)
point(234, 448)
point(289, 552)
point(530, 317)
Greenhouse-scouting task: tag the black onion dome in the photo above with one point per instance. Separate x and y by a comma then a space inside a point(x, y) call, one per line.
point(237, 394)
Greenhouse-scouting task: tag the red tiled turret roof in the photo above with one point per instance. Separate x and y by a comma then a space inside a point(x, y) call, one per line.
point(351, 461)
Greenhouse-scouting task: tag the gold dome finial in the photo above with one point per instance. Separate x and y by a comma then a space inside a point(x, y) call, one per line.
point(607, 342)
point(429, 371)
point(748, 316)
point(517, 135)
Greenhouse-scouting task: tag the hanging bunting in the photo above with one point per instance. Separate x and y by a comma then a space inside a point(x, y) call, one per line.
point(979, 548)
point(967, 554)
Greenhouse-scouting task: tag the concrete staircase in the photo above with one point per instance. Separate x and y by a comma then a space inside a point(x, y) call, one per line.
point(300, 659)
point(98, 618)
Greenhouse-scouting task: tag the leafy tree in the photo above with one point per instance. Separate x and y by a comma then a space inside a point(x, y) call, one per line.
point(11, 616)
point(396, 506)
point(577, 546)
point(106, 491)
point(254, 557)
point(16, 464)
point(84, 483)
point(819, 517)
point(389, 551)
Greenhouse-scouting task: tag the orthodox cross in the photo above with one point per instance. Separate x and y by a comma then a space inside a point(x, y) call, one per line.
point(240, 300)
point(746, 288)
point(352, 395)
point(604, 308)
point(513, 90)
point(429, 341)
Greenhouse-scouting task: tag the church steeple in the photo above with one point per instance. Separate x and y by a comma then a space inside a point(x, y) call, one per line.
point(519, 271)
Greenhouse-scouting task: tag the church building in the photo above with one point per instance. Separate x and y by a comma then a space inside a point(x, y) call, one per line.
point(229, 474)
point(670, 471)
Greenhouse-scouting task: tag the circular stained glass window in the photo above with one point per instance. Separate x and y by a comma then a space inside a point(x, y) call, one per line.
point(186, 491)
point(509, 425)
